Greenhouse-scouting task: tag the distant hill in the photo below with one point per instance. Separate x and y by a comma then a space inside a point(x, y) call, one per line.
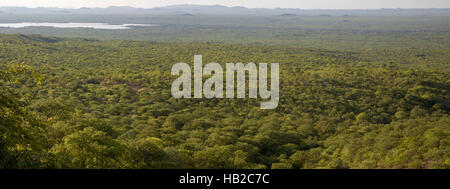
point(188, 9)
point(287, 14)
point(171, 10)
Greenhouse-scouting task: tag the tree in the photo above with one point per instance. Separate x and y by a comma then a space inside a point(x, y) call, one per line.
point(88, 148)
point(20, 131)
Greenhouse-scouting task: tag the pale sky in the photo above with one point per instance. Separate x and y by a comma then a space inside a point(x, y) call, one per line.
point(303, 4)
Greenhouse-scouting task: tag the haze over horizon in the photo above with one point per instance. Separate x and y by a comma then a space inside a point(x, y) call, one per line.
point(301, 4)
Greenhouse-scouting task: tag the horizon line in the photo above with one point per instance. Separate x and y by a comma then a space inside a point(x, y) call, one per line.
point(104, 7)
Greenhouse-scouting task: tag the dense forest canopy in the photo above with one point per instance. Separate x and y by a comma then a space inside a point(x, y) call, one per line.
point(383, 102)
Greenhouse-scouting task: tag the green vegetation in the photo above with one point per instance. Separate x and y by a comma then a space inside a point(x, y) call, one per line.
point(383, 102)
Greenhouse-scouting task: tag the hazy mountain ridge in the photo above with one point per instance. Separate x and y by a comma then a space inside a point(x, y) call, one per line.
point(173, 9)
point(221, 10)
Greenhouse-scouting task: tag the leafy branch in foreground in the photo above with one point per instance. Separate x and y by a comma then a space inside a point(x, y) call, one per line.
point(20, 132)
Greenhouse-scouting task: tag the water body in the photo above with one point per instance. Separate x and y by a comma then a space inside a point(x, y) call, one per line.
point(73, 25)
